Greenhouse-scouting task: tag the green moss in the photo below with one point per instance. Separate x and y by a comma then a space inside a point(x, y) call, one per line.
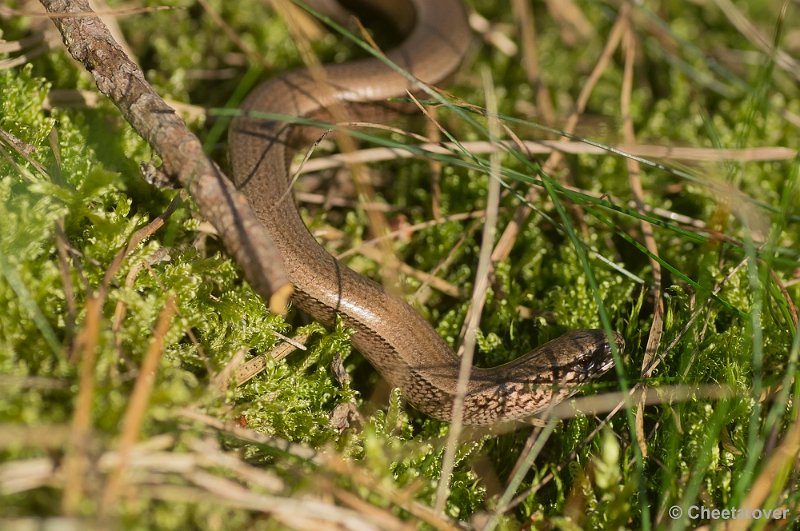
point(80, 172)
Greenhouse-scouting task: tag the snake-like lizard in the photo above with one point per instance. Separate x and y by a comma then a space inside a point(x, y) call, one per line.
point(396, 340)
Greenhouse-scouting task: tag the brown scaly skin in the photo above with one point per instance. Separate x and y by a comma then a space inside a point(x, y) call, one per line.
point(398, 342)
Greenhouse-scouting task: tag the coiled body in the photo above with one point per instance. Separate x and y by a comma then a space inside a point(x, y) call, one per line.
point(396, 340)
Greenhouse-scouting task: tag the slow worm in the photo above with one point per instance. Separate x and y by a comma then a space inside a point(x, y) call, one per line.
point(398, 342)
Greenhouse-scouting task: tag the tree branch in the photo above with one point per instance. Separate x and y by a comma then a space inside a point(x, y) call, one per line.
point(244, 238)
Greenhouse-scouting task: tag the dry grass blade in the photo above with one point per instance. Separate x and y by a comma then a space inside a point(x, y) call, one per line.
point(492, 36)
point(479, 291)
point(23, 149)
point(85, 348)
point(649, 396)
point(476, 214)
point(776, 469)
point(298, 450)
point(545, 147)
point(401, 498)
point(575, 27)
point(530, 60)
point(327, 462)
point(388, 521)
point(76, 460)
point(47, 436)
point(134, 414)
point(248, 371)
point(503, 247)
point(233, 36)
point(429, 279)
point(788, 63)
point(6, 11)
point(786, 297)
point(120, 310)
point(634, 178)
point(66, 98)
